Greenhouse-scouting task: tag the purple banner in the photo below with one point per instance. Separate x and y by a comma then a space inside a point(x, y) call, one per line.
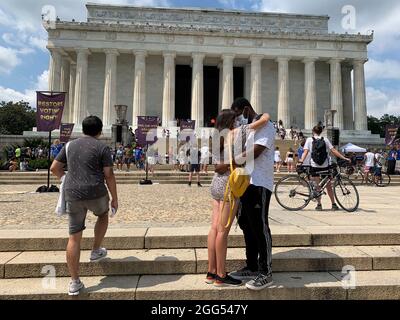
point(147, 130)
point(391, 137)
point(66, 132)
point(188, 124)
point(49, 112)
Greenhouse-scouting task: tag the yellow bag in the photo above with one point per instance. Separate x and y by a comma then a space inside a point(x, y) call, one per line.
point(239, 181)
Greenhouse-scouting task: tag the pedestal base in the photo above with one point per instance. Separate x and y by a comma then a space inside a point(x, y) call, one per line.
point(362, 138)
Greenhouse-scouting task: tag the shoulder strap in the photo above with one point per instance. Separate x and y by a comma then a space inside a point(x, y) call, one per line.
point(230, 141)
point(66, 150)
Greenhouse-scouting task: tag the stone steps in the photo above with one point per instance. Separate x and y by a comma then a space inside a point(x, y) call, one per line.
point(193, 261)
point(170, 263)
point(196, 237)
point(370, 285)
point(183, 180)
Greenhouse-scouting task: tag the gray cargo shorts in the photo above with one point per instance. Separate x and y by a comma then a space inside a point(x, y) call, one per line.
point(77, 211)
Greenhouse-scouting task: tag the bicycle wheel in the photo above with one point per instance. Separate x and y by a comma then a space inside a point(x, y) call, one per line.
point(293, 193)
point(383, 181)
point(346, 194)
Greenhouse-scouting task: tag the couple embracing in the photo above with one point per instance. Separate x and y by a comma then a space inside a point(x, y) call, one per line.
point(252, 208)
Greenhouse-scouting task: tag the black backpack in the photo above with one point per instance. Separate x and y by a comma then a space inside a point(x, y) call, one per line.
point(319, 153)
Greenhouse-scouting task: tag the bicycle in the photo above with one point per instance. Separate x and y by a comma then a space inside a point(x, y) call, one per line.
point(381, 180)
point(295, 192)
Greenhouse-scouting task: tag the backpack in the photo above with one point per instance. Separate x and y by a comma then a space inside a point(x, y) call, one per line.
point(319, 153)
point(239, 181)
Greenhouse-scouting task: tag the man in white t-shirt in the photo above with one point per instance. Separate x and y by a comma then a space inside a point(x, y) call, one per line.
point(369, 163)
point(319, 148)
point(253, 218)
point(205, 158)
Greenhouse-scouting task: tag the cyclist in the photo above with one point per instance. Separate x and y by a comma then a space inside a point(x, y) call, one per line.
point(319, 148)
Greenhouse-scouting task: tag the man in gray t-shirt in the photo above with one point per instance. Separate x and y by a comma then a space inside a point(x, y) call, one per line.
point(87, 157)
point(89, 166)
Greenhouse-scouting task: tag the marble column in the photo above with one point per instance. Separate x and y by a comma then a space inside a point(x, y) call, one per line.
point(348, 113)
point(72, 78)
point(360, 101)
point(55, 70)
point(255, 88)
point(198, 89)
point(110, 88)
point(64, 87)
point(168, 108)
point(139, 90)
point(227, 80)
point(80, 100)
point(283, 91)
point(336, 92)
point(310, 94)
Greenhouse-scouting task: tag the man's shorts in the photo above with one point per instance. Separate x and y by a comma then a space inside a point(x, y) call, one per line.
point(377, 171)
point(315, 172)
point(194, 168)
point(128, 160)
point(367, 169)
point(77, 211)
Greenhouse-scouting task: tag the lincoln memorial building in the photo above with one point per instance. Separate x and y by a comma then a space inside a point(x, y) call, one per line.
point(191, 63)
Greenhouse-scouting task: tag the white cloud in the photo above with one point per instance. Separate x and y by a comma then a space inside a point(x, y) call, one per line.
point(8, 59)
point(39, 43)
point(380, 102)
point(380, 16)
point(382, 70)
point(29, 95)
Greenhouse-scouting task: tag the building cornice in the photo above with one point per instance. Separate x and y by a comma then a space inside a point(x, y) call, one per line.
point(198, 31)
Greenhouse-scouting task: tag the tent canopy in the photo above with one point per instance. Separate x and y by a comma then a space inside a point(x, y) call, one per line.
point(352, 148)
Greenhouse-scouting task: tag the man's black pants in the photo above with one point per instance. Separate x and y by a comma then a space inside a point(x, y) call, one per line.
point(253, 220)
point(391, 166)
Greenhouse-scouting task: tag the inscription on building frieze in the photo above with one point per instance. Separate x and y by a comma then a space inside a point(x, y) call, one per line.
point(208, 20)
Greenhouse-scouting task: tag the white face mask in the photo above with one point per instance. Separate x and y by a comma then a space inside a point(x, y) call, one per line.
point(242, 120)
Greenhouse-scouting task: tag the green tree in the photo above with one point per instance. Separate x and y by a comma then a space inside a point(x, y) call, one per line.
point(374, 125)
point(378, 126)
point(16, 117)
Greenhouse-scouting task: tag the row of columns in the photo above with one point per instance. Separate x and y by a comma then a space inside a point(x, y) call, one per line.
point(67, 76)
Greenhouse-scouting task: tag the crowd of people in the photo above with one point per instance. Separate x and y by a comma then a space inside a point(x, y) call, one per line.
point(128, 156)
point(281, 133)
point(18, 158)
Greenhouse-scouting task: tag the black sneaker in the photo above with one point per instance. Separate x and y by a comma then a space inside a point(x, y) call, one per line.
point(190, 184)
point(226, 281)
point(199, 184)
point(261, 282)
point(244, 274)
point(210, 278)
point(335, 207)
point(318, 207)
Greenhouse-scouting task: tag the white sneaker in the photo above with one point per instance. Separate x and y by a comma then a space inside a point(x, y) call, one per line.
point(260, 282)
point(98, 255)
point(75, 287)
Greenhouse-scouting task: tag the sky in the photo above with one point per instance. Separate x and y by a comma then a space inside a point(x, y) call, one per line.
point(24, 59)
